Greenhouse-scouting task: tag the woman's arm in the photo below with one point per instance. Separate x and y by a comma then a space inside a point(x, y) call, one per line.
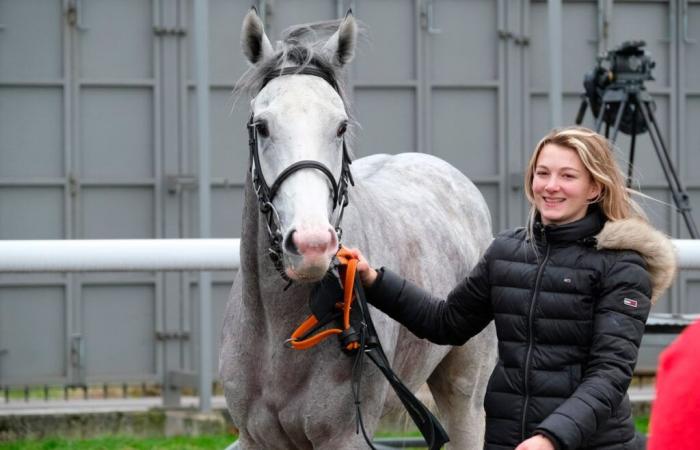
point(620, 315)
point(465, 311)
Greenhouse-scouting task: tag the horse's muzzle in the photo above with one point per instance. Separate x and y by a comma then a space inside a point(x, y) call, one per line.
point(308, 252)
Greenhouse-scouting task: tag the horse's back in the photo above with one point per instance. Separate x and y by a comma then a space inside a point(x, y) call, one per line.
point(426, 213)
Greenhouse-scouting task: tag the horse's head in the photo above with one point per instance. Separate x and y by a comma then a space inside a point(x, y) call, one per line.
point(298, 126)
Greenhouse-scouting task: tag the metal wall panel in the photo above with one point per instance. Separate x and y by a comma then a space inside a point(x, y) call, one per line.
point(31, 126)
point(389, 54)
point(30, 45)
point(31, 213)
point(32, 334)
point(114, 40)
point(118, 329)
point(387, 118)
point(116, 133)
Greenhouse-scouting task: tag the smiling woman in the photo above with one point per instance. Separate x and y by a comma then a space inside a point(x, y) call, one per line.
point(569, 295)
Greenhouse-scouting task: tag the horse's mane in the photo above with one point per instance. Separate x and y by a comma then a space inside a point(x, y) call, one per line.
point(301, 46)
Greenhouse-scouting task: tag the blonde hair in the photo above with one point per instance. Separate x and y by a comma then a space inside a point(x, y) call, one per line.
point(596, 154)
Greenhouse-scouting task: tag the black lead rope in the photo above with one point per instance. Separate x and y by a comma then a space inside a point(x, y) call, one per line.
point(434, 434)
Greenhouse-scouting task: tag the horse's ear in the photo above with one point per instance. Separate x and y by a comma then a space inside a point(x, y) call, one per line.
point(341, 46)
point(256, 46)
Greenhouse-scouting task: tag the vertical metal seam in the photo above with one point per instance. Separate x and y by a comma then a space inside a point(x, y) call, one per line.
point(554, 20)
point(526, 96)
point(678, 114)
point(501, 140)
point(201, 33)
point(185, 200)
point(422, 115)
point(68, 291)
point(159, 311)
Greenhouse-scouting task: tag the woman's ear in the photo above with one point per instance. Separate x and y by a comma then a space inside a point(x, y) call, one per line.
point(596, 192)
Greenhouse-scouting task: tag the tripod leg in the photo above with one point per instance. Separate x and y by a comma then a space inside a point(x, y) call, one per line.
point(680, 197)
point(630, 167)
point(601, 114)
point(633, 141)
point(581, 110)
point(618, 117)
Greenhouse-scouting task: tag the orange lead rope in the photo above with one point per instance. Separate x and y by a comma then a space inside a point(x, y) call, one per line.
point(348, 268)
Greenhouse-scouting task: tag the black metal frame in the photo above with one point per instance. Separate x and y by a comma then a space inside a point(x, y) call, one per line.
point(635, 98)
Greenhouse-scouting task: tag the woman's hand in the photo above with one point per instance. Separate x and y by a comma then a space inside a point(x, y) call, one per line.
point(536, 442)
point(367, 274)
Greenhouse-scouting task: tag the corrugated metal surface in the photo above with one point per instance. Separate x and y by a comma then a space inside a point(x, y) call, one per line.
point(97, 140)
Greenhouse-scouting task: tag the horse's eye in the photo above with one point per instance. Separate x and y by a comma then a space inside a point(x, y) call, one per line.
point(262, 129)
point(342, 129)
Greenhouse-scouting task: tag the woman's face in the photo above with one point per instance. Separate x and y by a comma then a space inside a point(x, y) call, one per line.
point(562, 185)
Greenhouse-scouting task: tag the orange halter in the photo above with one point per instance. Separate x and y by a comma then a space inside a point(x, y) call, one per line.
point(348, 267)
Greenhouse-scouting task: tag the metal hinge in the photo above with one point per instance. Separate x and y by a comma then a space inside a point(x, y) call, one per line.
point(77, 351)
point(176, 183)
point(73, 185)
point(3, 352)
point(517, 39)
point(169, 31)
point(172, 335)
point(427, 18)
point(74, 15)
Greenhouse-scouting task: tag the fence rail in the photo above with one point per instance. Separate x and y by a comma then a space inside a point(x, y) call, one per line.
point(114, 255)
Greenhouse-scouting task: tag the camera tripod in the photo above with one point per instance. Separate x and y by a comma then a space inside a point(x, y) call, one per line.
point(620, 99)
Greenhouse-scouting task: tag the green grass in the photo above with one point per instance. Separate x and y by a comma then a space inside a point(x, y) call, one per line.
point(642, 424)
point(124, 443)
point(218, 442)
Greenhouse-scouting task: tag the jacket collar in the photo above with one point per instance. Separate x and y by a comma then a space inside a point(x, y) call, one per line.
point(581, 230)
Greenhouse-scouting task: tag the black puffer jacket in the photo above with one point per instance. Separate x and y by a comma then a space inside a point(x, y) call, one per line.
point(569, 321)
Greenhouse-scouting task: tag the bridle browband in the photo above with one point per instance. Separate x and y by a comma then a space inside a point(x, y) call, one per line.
point(266, 193)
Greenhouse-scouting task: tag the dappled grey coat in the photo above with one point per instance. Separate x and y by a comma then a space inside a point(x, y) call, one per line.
point(569, 319)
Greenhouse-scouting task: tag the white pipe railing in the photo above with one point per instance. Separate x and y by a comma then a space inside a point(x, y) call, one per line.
point(688, 253)
point(119, 255)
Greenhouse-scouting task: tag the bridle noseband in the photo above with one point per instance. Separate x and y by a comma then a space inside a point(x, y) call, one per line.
point(266, 193)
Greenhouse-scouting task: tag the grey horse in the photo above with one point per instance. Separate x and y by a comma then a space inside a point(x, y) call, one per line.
point(411, 212)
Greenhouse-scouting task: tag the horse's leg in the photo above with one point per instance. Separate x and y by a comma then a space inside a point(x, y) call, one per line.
point(458, 385)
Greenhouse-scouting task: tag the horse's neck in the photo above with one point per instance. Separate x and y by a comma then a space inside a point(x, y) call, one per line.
point(262, 285)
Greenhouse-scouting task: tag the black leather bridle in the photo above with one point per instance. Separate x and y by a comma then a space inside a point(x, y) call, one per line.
point(266, 193)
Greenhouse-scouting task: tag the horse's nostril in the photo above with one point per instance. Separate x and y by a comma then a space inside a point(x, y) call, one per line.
point(289, 245)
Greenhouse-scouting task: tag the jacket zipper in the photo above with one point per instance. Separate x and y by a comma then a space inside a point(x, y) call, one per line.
point(530, 338)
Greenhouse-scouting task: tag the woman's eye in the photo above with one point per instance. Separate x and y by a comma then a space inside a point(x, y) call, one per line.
point(342, 129)
point(262, 129)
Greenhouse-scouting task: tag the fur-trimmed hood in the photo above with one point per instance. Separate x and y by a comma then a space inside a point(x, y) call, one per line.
point(654, 246)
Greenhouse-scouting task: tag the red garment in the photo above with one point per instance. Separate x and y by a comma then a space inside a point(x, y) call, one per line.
point(675, 415)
